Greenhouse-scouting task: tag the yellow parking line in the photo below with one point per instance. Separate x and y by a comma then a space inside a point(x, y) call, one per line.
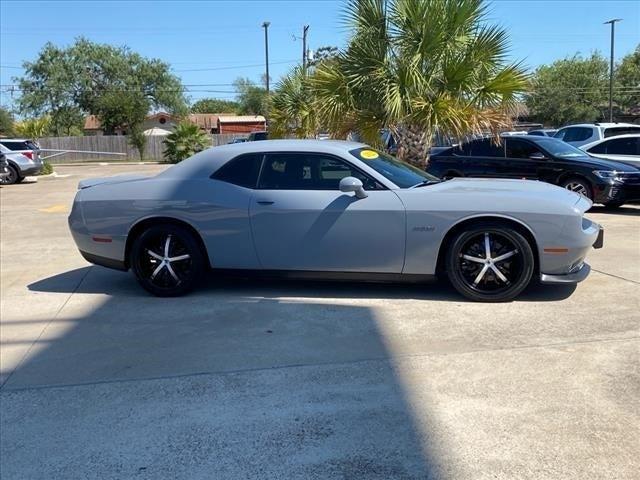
point(55, 209)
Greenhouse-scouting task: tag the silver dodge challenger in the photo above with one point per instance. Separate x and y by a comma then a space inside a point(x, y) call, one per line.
point(331, 209)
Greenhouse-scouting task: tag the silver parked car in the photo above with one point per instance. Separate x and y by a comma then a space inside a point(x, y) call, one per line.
point(23, 158)
point(623, 148)
point(583, 133)
point(331, 209)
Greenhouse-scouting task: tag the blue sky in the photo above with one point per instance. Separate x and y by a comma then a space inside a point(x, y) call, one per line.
point(215, 42)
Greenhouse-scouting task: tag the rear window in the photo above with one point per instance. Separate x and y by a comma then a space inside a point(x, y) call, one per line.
point(242, 171)
point(614, 131)
point(13, 146)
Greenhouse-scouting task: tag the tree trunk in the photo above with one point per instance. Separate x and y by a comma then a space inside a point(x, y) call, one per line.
point(413, 143)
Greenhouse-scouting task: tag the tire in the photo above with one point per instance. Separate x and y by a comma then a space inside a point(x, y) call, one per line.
point(149, 259)
point(13, 177)
point(482, 281)
point(613, 205)
point(579, 186)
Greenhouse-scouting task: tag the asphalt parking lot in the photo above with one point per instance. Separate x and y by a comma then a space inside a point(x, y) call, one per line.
point(264, 379)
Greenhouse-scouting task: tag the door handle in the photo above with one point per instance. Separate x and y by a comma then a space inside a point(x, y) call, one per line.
point(265, 202)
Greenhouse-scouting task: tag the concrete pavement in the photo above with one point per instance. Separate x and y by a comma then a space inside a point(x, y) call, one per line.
point(263, 379)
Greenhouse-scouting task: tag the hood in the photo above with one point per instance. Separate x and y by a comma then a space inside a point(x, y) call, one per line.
point(601, 163)
point(486, 193)
point(92, 182)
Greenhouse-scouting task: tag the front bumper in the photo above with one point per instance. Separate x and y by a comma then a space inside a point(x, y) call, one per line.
point(569, 278)
point(619, 192)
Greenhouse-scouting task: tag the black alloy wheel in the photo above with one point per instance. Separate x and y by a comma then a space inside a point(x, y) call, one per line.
point(167, 260)
point(490, 263)
point(13, 177)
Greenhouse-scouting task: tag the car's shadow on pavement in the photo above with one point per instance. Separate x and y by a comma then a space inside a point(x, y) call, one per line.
point(113, 283)
point(624, 210)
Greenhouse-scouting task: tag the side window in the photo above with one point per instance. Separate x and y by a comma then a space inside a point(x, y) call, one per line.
point(242, 170)
point(308, 171)
point(613, 131)
point(577, 134)
point(600, 148)
point(520, 148)
point(560, 133)
point(622, 146)
point(486, 148)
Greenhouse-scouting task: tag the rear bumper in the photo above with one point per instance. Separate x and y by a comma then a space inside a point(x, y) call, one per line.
point(104, 261)
point(575, 277)
point(26, 172)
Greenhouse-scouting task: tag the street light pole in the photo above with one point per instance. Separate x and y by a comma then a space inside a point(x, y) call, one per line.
point(612, 22)
point(305, 29)
point(265, 25)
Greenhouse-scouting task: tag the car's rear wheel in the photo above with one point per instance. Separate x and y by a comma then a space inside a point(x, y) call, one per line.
point(12, 177)
point(579, 186)
point(490, 263)
point(167, 260)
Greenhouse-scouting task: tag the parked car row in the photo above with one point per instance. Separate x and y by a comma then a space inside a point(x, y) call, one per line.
point(541, 158)
point(22, 157)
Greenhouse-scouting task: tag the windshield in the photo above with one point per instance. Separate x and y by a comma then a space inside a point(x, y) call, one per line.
point(558, 148)
point(400, 173)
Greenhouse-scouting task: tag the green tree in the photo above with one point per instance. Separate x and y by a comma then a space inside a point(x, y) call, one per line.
point(323, 54)
point(6, 122)
point(138, 140)
point(417, 68)
point(571, 90)
point(215, 105)
point(252, 99)
point(34, 128)
point(627, 78)
point(185, 140)
point(293, 109)
point(91, 78)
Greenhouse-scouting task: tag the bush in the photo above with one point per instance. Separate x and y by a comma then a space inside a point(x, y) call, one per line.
point(186, 140)
point(47, 168)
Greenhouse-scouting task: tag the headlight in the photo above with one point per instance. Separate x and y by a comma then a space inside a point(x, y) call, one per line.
point(608, 175)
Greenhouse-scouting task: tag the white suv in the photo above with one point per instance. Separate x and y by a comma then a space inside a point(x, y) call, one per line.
point(584, 133)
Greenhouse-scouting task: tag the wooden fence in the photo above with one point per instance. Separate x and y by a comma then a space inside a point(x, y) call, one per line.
point(113, 144)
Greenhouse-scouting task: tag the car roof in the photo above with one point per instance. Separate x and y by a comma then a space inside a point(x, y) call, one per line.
point(205, 162)
point(603, 124)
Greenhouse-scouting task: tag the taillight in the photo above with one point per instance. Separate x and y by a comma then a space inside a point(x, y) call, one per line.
point(28, 154)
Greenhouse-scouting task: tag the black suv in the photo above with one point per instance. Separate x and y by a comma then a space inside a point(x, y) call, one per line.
point(541, 158)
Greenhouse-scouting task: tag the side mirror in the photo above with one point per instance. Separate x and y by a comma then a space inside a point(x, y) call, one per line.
point(352, 184)
point(537, 156)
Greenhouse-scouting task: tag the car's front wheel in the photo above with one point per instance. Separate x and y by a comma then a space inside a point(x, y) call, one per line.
point(167, 260)
point(579, 186)
point(490, 263)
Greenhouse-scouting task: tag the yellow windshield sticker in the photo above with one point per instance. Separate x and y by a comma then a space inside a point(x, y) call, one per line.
point(369, 154)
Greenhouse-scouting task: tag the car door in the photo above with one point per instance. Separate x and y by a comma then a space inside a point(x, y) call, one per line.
point(518, 162)
point(302, 221)
point(486, 159)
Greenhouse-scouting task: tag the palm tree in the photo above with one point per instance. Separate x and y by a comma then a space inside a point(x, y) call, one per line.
point(185, 140)
point(292, 109)
point(419, 67)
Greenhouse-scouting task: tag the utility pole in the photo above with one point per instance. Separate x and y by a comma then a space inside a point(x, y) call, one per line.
point(265, 25)
point(612, 22)
point(305, 29)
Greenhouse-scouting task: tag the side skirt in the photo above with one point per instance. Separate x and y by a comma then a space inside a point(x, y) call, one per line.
point(326, 276)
